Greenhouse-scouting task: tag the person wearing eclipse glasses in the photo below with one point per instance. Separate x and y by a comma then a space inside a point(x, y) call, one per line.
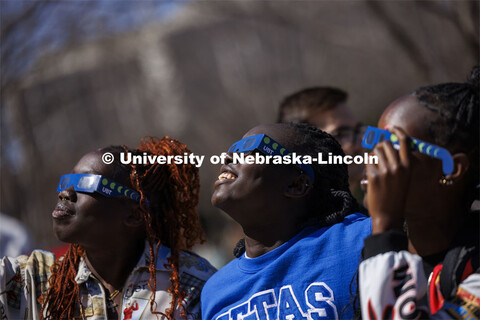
point(129, 227)
point(302, 236)
point(432, 270)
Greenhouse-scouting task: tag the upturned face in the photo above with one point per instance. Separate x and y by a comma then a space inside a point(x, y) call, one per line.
point(90, 219)
point(251, 193)
point(407, 114)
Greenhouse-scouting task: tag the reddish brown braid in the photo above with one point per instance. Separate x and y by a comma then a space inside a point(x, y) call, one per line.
point(171, 219)
point(171, 216)
point(60, 300)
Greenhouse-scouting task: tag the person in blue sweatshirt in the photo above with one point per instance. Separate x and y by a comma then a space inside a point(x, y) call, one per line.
point(303, 236)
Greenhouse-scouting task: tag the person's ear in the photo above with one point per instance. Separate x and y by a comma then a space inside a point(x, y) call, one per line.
point(134, 217)
point(461, 163)
point(299, 187)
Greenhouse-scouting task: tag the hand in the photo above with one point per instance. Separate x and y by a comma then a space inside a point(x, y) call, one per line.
point(388, 183)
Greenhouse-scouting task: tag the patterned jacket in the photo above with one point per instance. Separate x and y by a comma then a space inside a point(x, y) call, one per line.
point(23, 279)
point(393, 283)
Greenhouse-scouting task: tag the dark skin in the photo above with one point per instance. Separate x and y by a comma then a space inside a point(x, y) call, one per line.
point(405, 184)
point(110, 229)
point(266, 223)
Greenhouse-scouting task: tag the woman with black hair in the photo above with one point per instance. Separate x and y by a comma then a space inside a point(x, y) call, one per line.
point(302, 237)
point(433, 269)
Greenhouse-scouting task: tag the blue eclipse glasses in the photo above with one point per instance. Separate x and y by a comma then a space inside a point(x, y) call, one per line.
point(85, 182)
point(373, 136)
point(267, 146)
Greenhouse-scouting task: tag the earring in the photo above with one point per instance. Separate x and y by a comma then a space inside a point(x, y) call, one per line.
point(445, 182)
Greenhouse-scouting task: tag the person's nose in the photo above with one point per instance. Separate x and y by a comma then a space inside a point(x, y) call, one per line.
point(229, 158)
point(68, 194)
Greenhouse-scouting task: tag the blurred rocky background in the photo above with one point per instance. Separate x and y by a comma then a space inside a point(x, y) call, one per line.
point(79, 75)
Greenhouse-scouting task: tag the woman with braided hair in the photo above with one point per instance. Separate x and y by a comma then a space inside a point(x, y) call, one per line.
point(432, 270)
point(130, 228)
point(302, 236)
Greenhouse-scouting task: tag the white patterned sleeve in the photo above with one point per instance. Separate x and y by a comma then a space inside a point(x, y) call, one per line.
point(392, 282)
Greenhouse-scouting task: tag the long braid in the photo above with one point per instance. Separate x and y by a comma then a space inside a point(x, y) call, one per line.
point(331, 197)
point(63, 295)
point(171, 217)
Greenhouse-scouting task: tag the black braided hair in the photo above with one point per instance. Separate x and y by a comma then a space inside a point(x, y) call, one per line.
point(457, 126)
point(330, 197)
point(457, 129)
point(239, 248)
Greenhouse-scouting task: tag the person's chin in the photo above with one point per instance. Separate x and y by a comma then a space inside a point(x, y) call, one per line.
point(218, 199)
point(63, 232)
point(63, 235)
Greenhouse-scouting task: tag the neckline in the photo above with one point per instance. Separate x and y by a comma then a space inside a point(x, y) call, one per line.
point(253, 265)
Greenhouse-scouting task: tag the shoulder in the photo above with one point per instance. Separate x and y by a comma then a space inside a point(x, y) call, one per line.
point(229, 270)
point(25, 275)
point(221, 286)
point(188, 262)
point(38, 262)
point(353, 226)
point(226, 274)
point(193, 264)
point(194, 272)
point(356, 218)
point(470, 287)
point(358, 223)
point(41, 258)
point(343, 239)
point(37, 266)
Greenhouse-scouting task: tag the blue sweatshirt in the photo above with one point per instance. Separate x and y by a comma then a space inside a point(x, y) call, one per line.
point(307, 277)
